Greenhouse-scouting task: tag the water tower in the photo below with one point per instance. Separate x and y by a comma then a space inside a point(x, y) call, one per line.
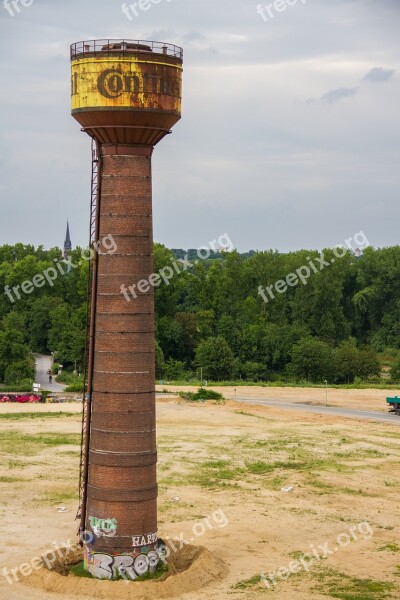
point(126, 95)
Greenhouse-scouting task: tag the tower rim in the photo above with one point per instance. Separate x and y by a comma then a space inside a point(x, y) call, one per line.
point(116, 47)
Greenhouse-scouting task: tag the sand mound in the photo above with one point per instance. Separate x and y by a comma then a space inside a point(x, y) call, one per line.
point(190, 569)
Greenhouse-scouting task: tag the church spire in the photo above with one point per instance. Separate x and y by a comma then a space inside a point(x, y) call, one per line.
point(67, 243)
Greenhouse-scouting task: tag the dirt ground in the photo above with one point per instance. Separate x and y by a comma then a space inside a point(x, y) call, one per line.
point(334, 532)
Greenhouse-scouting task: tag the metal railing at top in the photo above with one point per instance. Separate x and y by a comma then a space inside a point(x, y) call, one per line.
point(111, 47)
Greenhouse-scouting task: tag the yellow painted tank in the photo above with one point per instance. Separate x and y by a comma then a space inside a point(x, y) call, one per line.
point(126, 92)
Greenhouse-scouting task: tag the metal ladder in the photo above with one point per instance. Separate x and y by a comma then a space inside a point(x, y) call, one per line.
point(87, 390)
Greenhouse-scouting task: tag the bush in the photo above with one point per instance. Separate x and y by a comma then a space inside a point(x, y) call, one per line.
point(201, 395)
point(75, 387)
point(69, 378)
point(24, 387)
point(19, 371)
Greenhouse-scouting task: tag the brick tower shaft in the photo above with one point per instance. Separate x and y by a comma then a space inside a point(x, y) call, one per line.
point(122, 483)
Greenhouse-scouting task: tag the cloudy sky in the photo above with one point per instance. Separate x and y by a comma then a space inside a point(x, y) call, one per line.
point(290, 130)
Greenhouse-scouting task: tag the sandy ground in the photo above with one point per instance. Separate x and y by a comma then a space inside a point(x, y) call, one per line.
point(373, 400)
point(222, 469)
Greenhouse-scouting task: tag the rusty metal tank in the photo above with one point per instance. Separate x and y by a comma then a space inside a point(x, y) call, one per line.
point(127, 96)
point(126, 92)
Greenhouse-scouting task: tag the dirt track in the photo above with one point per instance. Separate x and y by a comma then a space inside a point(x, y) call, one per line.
point(370, 399)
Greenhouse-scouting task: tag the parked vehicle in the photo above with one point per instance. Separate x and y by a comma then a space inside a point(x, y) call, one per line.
point(394, 404)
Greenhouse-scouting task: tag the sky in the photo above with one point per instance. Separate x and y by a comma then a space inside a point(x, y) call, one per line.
point(290, 127)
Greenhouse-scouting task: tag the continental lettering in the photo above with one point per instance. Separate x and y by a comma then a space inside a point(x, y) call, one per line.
point(113, 83)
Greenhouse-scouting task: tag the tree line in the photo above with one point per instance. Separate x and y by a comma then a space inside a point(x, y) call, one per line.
point(210, 318)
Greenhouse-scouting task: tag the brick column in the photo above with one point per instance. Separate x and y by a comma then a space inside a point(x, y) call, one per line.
point(122, 483)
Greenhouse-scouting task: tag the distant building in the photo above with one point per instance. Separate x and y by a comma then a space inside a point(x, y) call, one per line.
point(67, 243)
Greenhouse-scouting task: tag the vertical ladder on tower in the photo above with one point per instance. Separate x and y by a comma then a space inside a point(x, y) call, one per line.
point(87, 390)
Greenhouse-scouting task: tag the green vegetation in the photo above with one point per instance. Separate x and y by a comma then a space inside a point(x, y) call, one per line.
point(27, 416)
point(334, 584)
point(69, 378)
point(246, 583)
point(395, 370)
point(342, 586)
point(20, 444)
point(49, 319)
point(75, 388)
point(390, 547)
point(212, 320)
point(6, 479)
point(79, 571)
point(201, 395)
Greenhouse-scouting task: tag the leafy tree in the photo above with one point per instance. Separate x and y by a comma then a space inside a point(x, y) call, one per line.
point(19, 371)
point(395, 370)
point(368, 364)
point(347, 361)
point(40, 322)
point(216, 358)
point(12, 350)
point(174, 370)
point(312, 359)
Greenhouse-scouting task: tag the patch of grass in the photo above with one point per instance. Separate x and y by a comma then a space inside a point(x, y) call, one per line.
point(57, 439)
point(55, 497)
point(342, 586)
point(19, 444)
point(260, 467)
point(247, 583)
point(225, 474)
point(27, 416)
point(322, 487)
point(79, 571)
point(361, 453)
point(16, 464)
point(244, 413)
point(213, 474)
point(326, 488)
point(390, 547)
point(4, 479)
point(216, 464)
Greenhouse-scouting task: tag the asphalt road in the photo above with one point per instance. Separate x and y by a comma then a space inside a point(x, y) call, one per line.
point(43, 364)
point(321, 410)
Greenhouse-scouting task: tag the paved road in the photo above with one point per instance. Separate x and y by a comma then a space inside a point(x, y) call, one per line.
point(43, 364)
point(322, 410)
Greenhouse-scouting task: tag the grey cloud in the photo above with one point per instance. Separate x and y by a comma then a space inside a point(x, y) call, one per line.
point(379, 75)
point(334, 96)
